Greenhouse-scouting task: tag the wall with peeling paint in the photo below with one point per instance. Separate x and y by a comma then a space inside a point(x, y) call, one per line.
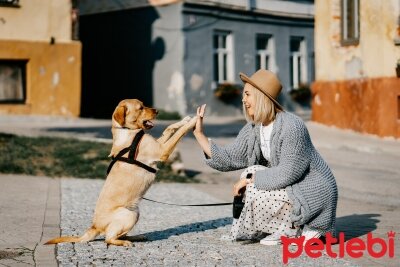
point(375, 56)
point(53, 77)
point(356, 86)
point(168, 75)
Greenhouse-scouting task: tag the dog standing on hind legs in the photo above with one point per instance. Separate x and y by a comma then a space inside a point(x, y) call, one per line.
point(117, 209)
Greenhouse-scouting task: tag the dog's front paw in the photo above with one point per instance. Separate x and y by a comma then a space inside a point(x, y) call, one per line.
point(186, 119)
point(193, 121)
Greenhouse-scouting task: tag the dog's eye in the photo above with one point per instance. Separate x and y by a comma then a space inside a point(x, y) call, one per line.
point(141, 108)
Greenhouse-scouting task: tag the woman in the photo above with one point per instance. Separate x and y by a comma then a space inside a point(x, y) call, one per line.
point(293, 187)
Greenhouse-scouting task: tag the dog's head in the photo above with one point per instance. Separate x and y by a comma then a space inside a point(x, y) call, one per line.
point(132, 114)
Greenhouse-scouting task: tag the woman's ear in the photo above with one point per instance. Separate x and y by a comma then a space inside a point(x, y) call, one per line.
point(119, 115)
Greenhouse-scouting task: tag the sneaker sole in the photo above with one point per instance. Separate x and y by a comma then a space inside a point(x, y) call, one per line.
point(270, 243)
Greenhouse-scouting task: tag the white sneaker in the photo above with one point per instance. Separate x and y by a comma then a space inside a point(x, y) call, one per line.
point(309, 234)
point(272, 240)
point(275, 238)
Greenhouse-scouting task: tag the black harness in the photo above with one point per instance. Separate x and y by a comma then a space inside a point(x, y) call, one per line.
point(131, 159)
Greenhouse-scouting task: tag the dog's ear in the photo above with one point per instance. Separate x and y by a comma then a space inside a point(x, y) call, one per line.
point(119, 115)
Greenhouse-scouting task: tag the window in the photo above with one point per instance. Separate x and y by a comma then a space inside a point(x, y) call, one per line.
point(12, 81)
point(298, 62)
point(11, 3)
point(350, 22)
point(265, 58)
point(223, 58)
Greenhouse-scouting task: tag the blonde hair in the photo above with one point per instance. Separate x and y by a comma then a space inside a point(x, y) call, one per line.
point(264, 109)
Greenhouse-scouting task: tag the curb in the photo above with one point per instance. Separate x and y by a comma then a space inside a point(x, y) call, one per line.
point(45, 255)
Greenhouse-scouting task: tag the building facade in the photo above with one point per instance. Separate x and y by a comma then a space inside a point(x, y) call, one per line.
point(174, 54)
point(40, 64)
point(357, 47)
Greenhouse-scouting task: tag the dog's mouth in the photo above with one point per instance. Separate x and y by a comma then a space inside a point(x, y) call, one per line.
point(148, 124)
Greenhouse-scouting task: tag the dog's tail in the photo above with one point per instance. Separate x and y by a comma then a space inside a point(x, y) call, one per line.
point(90, 234)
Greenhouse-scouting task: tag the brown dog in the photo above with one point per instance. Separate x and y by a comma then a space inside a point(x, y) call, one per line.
point(117, 209)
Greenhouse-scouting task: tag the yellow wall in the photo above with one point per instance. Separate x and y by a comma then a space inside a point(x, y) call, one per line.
point(37, 20)
point(53, 71)
point(375, 56)
point(53, 77)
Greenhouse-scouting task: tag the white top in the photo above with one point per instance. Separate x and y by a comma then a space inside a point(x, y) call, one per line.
point(265, 136)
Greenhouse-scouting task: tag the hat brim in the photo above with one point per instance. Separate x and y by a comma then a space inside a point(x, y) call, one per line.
point(246, 79)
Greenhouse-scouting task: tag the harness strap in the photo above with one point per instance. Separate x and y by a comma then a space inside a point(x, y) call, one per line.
point(133, 149)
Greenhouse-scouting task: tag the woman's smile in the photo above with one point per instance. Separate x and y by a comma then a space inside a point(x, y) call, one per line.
point(248, 99)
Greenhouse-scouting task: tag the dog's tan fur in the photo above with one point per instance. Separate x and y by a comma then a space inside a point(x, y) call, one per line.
point(117, 208)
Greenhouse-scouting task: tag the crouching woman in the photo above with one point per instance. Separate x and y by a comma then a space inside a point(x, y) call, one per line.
point(291, 191)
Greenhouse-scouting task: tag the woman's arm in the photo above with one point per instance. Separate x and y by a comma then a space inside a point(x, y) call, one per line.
point(198, 132)
point(223, 158)
point(294, 160)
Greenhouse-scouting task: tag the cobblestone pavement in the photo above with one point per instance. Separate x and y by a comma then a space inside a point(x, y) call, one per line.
point(176, 236)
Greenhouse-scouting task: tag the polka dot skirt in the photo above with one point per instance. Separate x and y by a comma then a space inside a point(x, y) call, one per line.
point(264, 212)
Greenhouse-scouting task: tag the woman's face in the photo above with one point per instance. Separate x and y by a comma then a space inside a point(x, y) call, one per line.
point(249, 99)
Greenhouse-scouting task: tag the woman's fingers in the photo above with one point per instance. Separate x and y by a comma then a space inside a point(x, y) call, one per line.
point(200, 115)
point(202, 110)
point(239, 185)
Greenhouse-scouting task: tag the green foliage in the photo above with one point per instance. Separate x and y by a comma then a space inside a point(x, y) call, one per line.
point(59, 157)
point(168, 115)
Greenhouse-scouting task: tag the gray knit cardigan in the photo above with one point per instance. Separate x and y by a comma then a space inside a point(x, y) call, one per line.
point(294, 165)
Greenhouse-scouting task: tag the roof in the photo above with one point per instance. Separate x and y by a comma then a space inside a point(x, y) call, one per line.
point(288, 8)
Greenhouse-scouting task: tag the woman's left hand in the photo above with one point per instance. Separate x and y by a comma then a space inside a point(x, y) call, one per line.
point(239, 185)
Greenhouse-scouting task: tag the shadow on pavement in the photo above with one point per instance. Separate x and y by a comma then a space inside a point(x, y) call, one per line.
point(188, 228)
point(357, 225)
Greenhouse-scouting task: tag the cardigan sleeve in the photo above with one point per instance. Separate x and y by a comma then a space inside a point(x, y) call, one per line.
point(232, 156)
point(294, 161)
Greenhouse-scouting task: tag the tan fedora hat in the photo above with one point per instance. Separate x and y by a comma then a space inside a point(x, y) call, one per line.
point(265, 81)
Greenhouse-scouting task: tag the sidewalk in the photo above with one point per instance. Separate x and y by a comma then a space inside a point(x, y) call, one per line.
point(366, 169)
point(30, 214)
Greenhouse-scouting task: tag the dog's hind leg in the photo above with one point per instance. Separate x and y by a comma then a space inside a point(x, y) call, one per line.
point(122, 222)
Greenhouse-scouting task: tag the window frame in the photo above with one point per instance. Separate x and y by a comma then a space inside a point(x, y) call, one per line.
point(269, 52)
point(22, 64)
point(218, 72)
point(345, 40)
point(294, 66)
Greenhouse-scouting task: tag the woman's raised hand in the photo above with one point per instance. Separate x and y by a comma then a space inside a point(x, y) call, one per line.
point(198, 131)
point(200, 114)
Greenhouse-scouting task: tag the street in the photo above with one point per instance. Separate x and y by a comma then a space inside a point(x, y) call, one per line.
point(366, 169)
